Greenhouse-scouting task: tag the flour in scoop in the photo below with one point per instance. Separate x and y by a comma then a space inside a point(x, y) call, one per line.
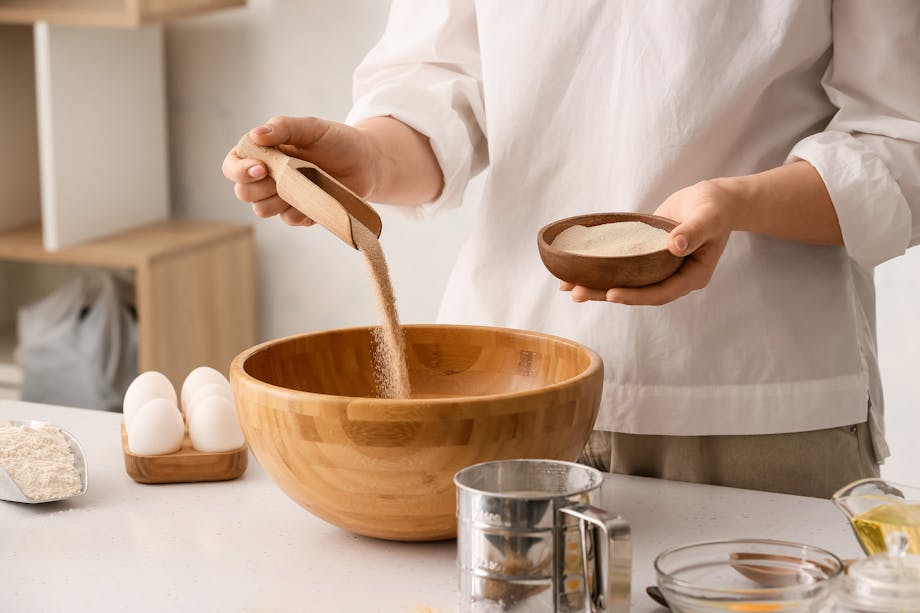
point(617, 239)
point(390, 366)
point(39, 460)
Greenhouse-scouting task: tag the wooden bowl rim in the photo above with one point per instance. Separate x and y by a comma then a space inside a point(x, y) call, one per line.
point(574, 220)
point(238, 372)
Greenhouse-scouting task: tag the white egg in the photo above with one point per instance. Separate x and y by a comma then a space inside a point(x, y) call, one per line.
point(206, 391)
point(145, 387)
point(214, 426)
point(157, 428)
point(199, 377)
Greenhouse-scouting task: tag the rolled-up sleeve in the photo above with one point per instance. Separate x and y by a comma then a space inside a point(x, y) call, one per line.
point(425, 71)
point(869, 154)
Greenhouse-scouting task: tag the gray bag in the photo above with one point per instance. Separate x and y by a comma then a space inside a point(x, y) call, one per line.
point(78, 346)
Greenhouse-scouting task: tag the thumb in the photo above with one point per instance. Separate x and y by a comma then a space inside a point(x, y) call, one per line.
point(300, 132)
point(687, 237)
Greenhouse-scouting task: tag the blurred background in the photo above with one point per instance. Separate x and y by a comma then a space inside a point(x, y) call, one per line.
point(230, 70)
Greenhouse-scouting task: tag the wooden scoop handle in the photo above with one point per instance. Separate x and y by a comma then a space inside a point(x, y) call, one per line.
point(313, 192)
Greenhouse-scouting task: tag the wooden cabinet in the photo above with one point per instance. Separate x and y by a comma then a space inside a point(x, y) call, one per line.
point(193, 287)
point(85, 180)
point(106, 13)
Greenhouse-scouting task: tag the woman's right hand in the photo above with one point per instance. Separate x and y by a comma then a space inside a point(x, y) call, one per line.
point(347, 153)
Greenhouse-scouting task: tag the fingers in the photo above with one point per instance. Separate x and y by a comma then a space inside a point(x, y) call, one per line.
point(252, 183)
point(254, 192)
point(297, 131)
point(693, 275)
point(276, 206)
point(293, 217)
point(657, 294)
point(584, 294)
point(269, 207)
point(678, 243)
point(703, 226)
point(242, 170)
point(687, 237)
point(650, 295)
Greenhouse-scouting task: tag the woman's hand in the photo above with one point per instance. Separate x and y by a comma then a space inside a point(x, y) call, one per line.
point(789, 202)
point(380, 158)
point(706, 215)
point(342, 151)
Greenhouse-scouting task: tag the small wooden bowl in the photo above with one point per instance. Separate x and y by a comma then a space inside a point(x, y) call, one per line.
point(601, 272)
point(188, 465)
point(385, 467)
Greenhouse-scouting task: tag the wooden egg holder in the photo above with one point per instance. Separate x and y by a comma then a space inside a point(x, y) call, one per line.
point(188, 465)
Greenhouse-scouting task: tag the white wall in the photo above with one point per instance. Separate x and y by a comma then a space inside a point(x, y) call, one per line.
point(230, 72)
point(898, 283)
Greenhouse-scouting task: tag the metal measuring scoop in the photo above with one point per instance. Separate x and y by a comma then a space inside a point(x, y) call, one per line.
point(11, 492)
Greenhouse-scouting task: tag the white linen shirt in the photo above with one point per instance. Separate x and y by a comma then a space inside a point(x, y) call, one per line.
point(611, 105)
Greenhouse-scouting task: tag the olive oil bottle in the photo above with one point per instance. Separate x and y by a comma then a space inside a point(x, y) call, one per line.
point(874, 525)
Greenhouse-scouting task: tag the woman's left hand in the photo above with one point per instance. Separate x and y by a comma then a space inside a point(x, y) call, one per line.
point(705, 213)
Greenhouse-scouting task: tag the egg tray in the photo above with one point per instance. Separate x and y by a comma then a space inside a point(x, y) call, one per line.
point(188, 465)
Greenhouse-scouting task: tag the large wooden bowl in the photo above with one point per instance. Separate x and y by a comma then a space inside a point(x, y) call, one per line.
point(385, 468)
point(600, 272)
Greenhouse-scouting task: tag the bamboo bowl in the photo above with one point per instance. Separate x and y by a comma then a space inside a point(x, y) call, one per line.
point(385, 468)
point(601, 272)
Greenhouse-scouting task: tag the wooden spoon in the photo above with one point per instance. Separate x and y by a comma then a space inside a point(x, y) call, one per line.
point(313, 192)
point(655, 594)
point(773, 576)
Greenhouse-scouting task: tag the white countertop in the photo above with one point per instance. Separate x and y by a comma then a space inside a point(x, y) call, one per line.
point(244, 546)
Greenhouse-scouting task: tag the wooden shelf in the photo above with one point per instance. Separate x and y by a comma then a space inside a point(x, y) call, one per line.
point(106, 13)
point(129, 249)
point(194, 287)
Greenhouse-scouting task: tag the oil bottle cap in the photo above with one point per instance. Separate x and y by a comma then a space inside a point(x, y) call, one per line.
point(886, 582)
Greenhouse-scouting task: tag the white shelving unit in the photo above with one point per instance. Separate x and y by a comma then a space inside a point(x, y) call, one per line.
point(83, 114)
point(101, 99)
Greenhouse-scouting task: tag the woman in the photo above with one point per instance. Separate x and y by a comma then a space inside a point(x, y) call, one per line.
point(782, 136)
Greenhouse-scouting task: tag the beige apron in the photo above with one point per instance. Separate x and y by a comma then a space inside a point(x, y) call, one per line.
point(815, 463)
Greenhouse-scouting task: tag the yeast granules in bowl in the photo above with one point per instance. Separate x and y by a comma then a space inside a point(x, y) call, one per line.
point(616, 239)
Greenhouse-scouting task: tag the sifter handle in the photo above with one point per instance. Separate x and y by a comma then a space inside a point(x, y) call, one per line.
point(612, 564)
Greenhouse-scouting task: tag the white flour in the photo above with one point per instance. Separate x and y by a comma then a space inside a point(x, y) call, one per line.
point(39, 460)
point(612, 239)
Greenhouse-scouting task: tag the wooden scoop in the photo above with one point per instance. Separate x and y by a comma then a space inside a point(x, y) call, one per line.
point(769, 575)
point(310, 190)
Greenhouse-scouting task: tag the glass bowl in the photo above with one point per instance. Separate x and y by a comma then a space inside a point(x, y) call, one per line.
point(747, 575)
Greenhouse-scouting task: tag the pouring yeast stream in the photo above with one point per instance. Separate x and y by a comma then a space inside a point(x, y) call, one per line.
point(390, 367)
point(321, 197)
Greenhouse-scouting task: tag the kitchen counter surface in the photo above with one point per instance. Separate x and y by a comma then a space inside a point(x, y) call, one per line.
point(244, 546)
